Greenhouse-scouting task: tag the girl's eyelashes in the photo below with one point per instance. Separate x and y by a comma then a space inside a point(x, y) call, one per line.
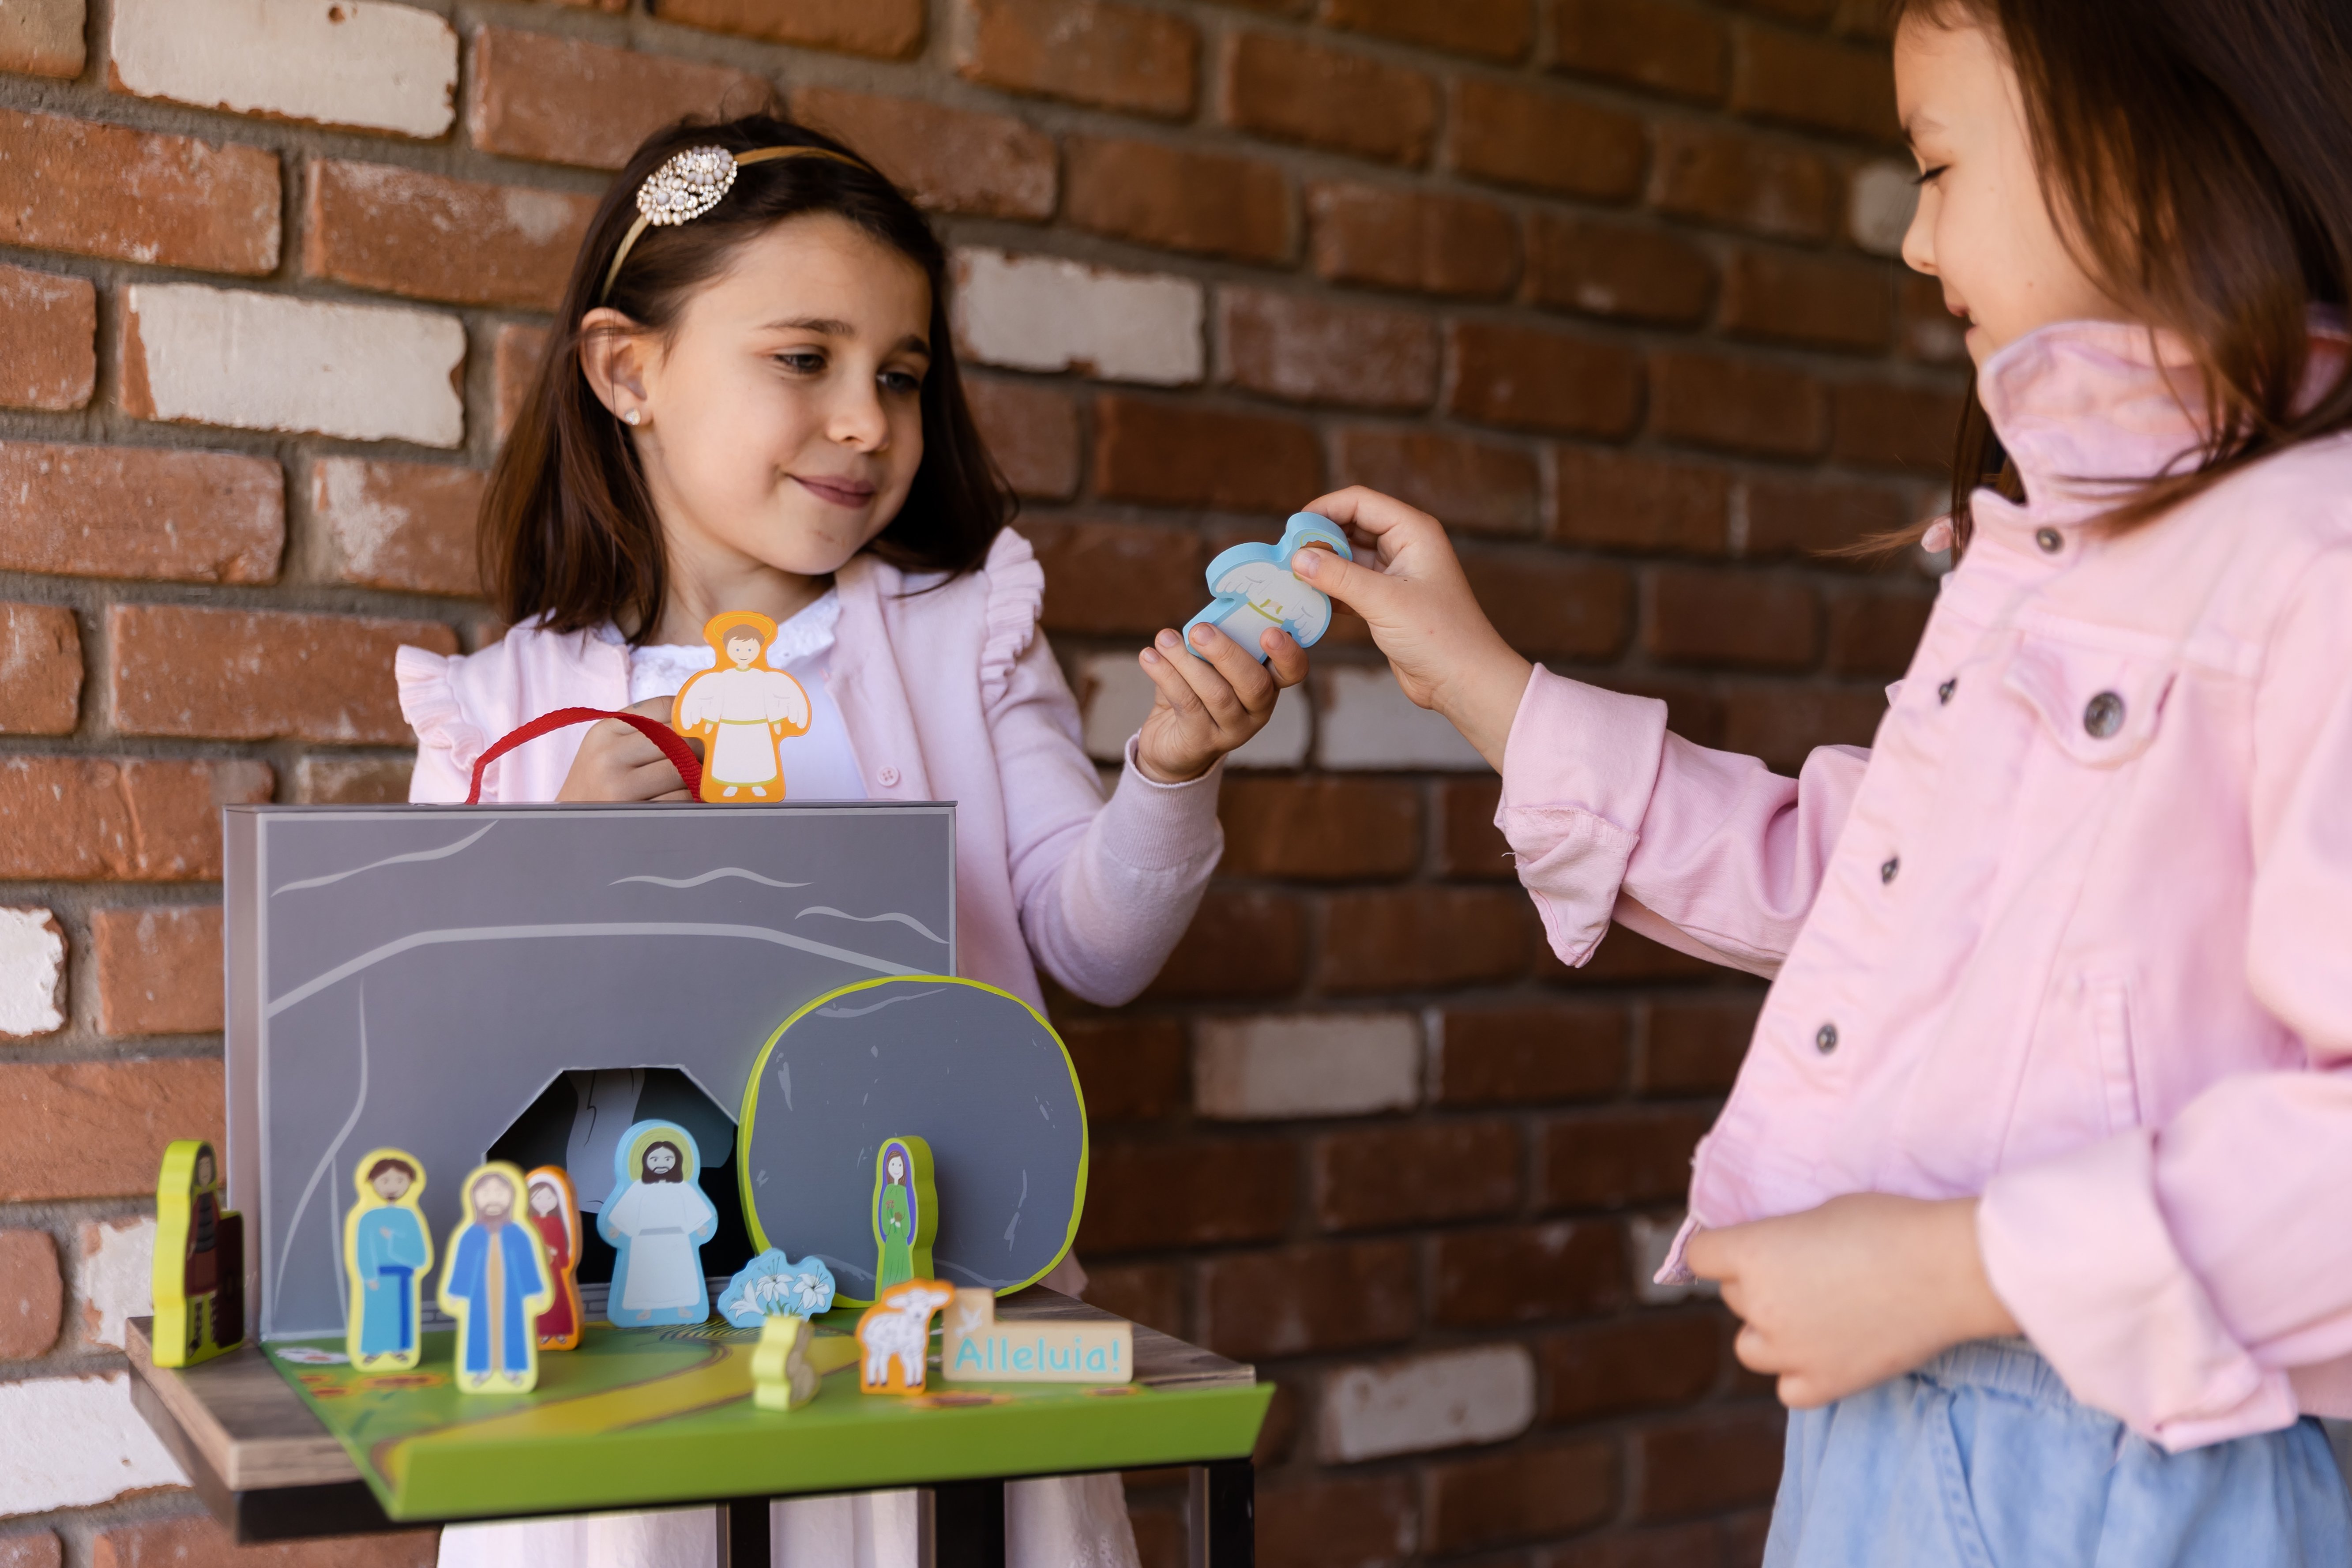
point(906, 382)
point(1929, 176)
point(802, 361)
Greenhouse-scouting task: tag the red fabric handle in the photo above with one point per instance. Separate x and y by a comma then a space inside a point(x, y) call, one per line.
point(660, 734)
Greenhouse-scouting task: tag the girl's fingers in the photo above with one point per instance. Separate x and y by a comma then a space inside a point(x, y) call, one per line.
point(1216, 694)
point(1286, 660)
point(1358, 508)
point(1371, 593)
point(1250, 683)
point(1163, 665)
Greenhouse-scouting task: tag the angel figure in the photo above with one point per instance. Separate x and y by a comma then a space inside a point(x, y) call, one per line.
point(1256, 592)
point(740, 710)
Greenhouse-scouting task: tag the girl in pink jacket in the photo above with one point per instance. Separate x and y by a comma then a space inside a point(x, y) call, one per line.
point(752, 405)
point(2035, 1188)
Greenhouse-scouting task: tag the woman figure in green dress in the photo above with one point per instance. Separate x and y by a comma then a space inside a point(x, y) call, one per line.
point(894, 1215)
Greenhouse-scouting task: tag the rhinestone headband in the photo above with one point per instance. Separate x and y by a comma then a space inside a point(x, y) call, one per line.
point(691, 184)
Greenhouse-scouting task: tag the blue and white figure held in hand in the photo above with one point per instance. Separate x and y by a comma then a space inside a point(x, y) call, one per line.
point(1256, 592)
point(656, 1221)
point(772, 1285)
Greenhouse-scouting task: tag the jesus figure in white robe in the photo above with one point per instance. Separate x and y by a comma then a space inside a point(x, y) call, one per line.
point(663, 1222)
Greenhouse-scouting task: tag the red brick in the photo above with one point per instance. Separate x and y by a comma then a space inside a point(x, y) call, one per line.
point(1173, 454)
point(1782, 724)
point(1511, 376)
point(251, 675)
point(1648, 1363)
point(1206, 202)
point(1191, 1193)
point(1469, 844)
point(1130, 1068)
point(887, 29)
point(1875, 633)
point(1695, 1044)
point(1431, 244)
point(1367, 1522)
point(405, 526)
point(1827, 301)
point(126, 511)
point(947, 160)
point(1319, 828)
point(1628, 958)
point(40, 670)
point(1673, 1546)
point(1544, 605)
point(1307, 350)
point(1608, 1160)
point(1241, 944)
point(1804, 517)
point(1118, 578)
point(1661, 44)
point(1290, 90)
point(32, 1294)
point(1879, 424)
point(1302, 1300)
point(138, 819)
point(1930, 331)
point(130, 196)
point(1743, 181)
point(1524, 1494)
point(514, 371)
point(565, 100)
point(1708, 1462)
point(1479, 487)
point(48, 358)
point(1093, 52)
point(96, 1130)
point(1491, 29)
point(353, 781)
point(1526, 1273)
point(1739, 405)
point(159, 969)
point(1032, 434)
point(1544, 141)
point(43, 38)
point(195, 1540)
point(1708, 616)
point(1611, 269)
point(1618, 501)
point(1151, 1294)
point(1528, 1055)
point(1386, 1176)
point(1813, 82)
point(403, 231)
point(1423, 937)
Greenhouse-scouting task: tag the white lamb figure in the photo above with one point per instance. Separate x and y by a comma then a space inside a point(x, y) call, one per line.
point(900, 1325)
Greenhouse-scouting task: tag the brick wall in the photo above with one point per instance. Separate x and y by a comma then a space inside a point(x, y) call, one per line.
point(1602, 282)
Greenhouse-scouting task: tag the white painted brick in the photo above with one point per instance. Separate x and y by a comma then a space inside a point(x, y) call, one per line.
point(1417, 1404)
point(1307, 1064)
point(71, 1442)
point(270, 361)
point(1115, 696)
point(1879, 204)
point(1367, 722)
point(361, 63)
point(1654, 1237)
point(116, 1277)
point(32, 973)
point(1040, 312)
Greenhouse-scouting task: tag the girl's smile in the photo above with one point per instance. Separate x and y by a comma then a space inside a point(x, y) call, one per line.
point(856, 494)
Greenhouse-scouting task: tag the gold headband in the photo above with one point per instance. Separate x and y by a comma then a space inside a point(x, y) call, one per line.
point(690, 185)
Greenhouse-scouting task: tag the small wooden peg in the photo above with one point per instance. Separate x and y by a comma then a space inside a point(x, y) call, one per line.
point(782, 1378)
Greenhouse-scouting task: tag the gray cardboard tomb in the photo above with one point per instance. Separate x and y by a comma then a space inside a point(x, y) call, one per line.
point(415, 976)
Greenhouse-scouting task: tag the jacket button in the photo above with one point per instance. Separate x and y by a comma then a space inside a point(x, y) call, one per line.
point(1944, 692)
point(2050, 539)
point(1825, 1039)
point(2104, 715)
point(1894, 864)
point(888, 777)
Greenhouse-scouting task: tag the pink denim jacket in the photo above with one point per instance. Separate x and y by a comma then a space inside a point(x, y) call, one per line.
point(2075, 934)
point(948, 695)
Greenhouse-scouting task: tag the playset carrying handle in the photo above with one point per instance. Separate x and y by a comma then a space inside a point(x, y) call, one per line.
point(680, 754)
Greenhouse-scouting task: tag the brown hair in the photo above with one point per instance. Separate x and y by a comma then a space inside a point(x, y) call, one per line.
point(2199, 155)
point(389, 1164)
point(568, 529)
point(676, 1172)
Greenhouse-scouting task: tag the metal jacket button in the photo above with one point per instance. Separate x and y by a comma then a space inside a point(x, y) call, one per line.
point(2104, 715)
point(888, 777)
point(1944, 692)
point(2050, 539)
point(1894, 864)
point(1825, 1039)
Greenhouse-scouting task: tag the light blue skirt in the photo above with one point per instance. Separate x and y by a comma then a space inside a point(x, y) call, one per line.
point(1982, 1459)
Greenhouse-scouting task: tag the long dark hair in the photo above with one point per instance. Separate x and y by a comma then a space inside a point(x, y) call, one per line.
point(646, 1170)
point(568, 529)
point(2199, 156)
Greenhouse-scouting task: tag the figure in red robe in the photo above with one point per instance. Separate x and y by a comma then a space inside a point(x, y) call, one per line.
point(555, 1212)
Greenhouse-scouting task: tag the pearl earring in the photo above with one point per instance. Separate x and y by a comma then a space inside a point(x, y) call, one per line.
point(632, 416)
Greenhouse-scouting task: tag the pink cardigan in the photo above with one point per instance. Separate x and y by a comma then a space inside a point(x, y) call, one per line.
point(2075, 934)
point(948, 695)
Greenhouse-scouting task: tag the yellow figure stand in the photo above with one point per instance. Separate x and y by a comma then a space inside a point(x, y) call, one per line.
point(199, 1269)
point(739, 710)
point(496, 1284)
point(388, 1251)
point(975, 1348)
point(782, 1377)
point(893, 1336)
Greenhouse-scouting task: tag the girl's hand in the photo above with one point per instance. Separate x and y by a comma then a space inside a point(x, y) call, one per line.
point(615, 763)
point(1209, 706)
point(1852, 1293)
point(1447, 654)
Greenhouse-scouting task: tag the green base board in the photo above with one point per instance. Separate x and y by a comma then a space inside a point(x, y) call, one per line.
point(652, 1417)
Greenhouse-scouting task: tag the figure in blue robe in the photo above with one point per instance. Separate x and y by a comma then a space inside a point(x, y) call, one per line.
point(391, 1250)
point(498, 1283)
